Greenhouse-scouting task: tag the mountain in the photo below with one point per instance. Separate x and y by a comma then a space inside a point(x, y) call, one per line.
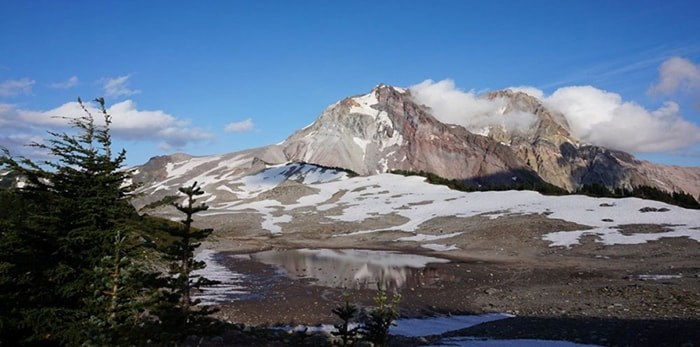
point(386, 130)
point(557, 156)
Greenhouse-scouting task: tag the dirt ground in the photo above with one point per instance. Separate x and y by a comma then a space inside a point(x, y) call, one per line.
point(504, 266)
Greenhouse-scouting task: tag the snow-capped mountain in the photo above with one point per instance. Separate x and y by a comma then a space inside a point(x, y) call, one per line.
point(387, 130)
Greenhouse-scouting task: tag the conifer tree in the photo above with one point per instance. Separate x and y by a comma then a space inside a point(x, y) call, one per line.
point(183, 314)
point(380, 319)
point(344, 329)
point(70, 246)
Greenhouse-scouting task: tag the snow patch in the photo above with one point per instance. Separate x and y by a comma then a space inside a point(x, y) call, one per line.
point(483, 131)
point(425, 237)
point(440, 247)
point(657, 277)
point(417, 327)
point(367, 197)
point(363, 104)
point(175, 170)
point(362, 143)
point(225, 188)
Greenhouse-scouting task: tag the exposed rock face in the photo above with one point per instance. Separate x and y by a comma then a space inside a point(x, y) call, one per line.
point(386, 130)
point(539, 145)
point(672, 178)
point(550, 149)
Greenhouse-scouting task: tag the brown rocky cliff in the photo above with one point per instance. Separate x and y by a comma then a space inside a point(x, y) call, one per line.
point(560, 158)
point(399, 135)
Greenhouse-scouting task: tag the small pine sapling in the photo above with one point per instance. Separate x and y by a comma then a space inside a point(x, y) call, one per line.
point(347, 314)
point(186, 314)
point(378, 320)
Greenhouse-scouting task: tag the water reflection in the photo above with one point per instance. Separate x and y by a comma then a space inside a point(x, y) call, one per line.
point(353, 268)
point(230, 283)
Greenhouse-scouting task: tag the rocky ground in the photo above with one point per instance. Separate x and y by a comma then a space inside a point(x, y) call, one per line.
point(645, 294)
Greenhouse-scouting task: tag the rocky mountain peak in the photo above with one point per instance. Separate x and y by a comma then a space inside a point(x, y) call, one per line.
point(386, 130)
point(547, 125)
point(384, 88)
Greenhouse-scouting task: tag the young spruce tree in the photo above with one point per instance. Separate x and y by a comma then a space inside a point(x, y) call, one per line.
point(181, 313)
point(70, 259)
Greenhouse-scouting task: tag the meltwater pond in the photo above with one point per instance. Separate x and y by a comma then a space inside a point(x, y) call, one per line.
point(248, 276)
point(351, 268)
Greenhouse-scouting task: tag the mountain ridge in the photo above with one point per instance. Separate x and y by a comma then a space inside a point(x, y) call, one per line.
point(547, 148)
point(387, 130)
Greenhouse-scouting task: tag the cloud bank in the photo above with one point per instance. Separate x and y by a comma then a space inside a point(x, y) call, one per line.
point(595, 116)
point(603, 118)
point(453, 106)
point(128, 123)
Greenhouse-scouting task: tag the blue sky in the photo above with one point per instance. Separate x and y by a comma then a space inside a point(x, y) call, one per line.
point(220, 76)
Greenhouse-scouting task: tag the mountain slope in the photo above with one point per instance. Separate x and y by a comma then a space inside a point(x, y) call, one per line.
point(386, 130)
point(563, 160)
point(304, 199)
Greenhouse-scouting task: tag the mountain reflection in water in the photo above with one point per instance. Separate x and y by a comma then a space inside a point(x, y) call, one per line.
point(353, 268)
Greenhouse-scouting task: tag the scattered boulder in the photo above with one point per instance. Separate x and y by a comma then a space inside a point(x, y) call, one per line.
point(653, 209)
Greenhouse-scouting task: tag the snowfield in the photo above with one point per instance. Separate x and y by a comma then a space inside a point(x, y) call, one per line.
point(332, 196)
point(419, 202)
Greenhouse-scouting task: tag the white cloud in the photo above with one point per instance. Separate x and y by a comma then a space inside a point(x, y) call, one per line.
point(240, 127)
point(603, 118)
point(453, 106)
point(594, 116)
point(67, 84)
point(10, 88)
point(677, 74)
point(118, 86)
point(128, 123)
